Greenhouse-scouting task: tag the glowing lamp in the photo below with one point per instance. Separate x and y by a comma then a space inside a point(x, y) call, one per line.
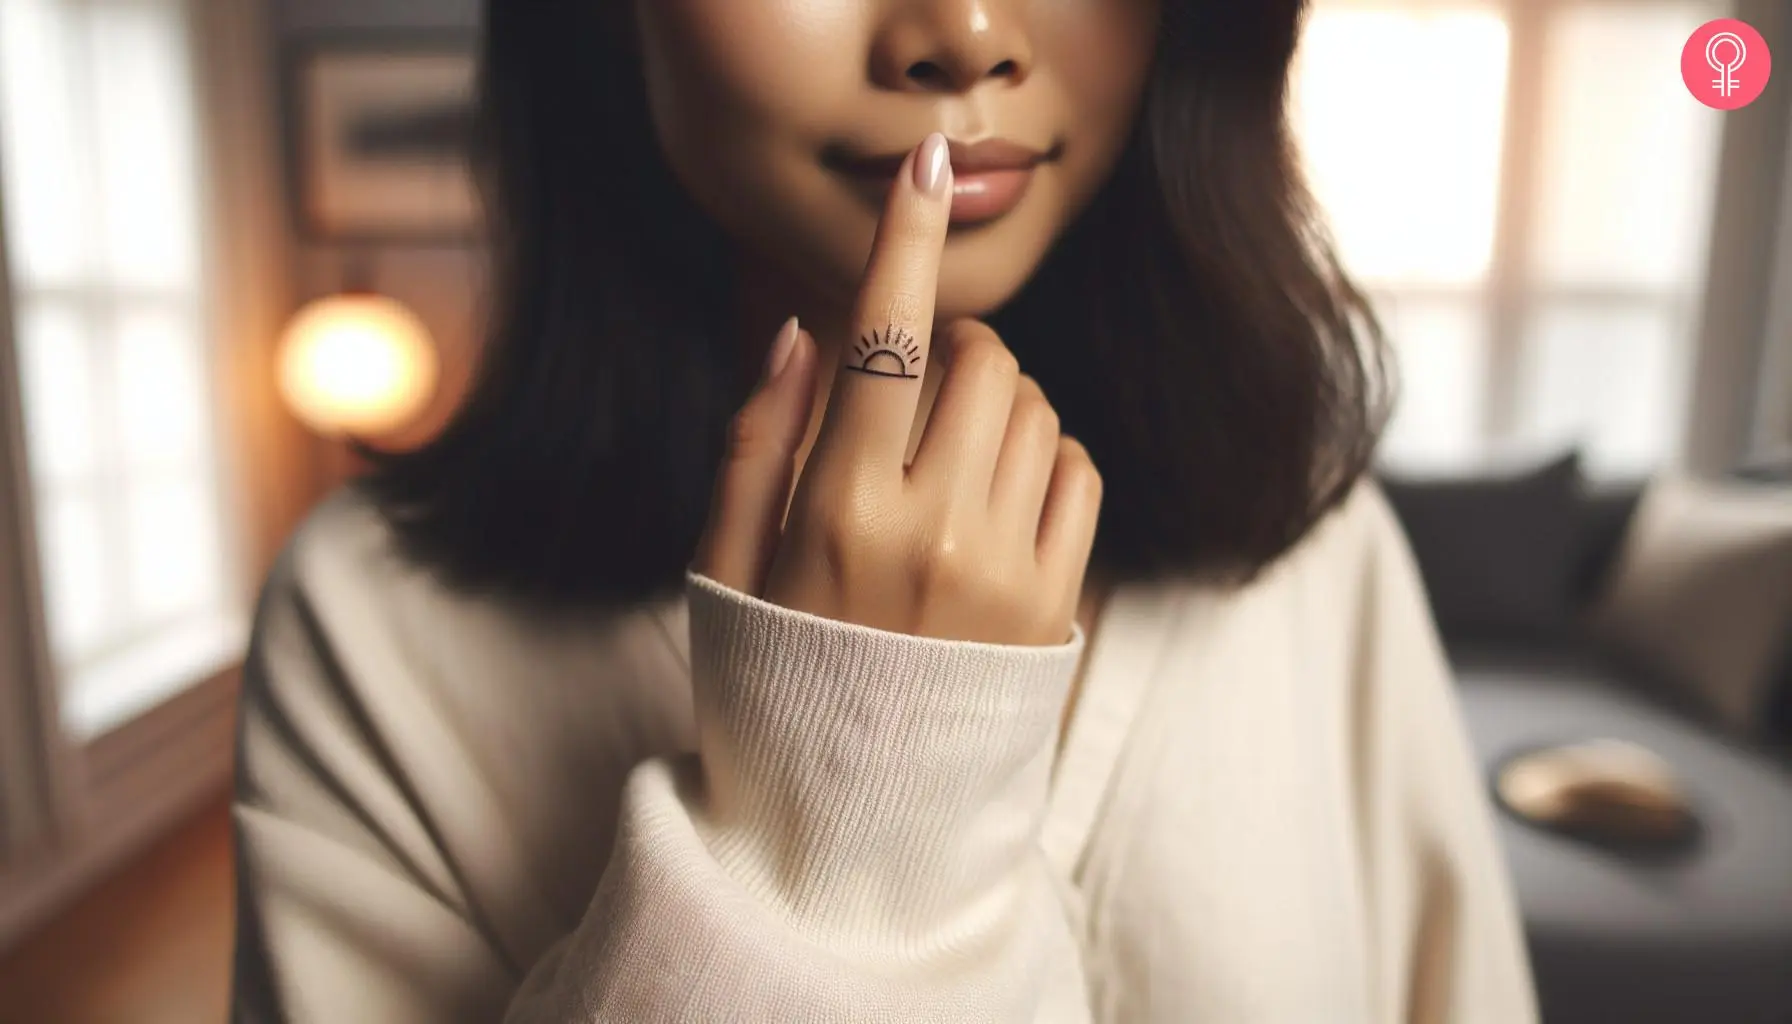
point(357, 364)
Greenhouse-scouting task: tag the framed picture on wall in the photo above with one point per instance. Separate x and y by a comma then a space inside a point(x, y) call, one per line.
point(378, 131)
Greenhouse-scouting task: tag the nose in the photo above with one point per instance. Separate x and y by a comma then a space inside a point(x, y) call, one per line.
point(952, 45)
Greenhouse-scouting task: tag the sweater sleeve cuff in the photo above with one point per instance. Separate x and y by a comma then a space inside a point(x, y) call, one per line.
point(918, 767)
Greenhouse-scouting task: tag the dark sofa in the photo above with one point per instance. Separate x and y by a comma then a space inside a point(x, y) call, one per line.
point(1702, 935)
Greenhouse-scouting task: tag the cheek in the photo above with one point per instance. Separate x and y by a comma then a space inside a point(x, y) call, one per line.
point(1099, 53)
point(1101, 50)
point(728, 80)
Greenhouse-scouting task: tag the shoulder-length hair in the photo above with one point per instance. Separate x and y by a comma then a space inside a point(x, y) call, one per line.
point(1193, 329)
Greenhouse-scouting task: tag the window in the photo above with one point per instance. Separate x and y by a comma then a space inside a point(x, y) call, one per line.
point(1526, 190)
point(100, 174)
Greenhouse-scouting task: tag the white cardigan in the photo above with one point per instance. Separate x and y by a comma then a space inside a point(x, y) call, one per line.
point(720, 810)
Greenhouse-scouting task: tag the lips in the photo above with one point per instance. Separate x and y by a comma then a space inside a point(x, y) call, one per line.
point(990, 177)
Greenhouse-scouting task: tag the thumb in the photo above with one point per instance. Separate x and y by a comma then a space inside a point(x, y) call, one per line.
point(752, 488)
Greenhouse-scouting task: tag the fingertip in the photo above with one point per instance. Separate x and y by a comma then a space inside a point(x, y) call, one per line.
point(777, 357)
point(790, 361)
point(932, 168)
point(918, 211)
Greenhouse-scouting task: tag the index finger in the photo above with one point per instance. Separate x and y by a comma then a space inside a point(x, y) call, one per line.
point(877, 386)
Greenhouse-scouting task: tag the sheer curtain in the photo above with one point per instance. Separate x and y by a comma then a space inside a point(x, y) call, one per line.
point(1526, 188)
point(101, 178)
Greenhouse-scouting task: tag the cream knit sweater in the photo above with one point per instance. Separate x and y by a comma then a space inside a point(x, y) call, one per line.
point(720, 810)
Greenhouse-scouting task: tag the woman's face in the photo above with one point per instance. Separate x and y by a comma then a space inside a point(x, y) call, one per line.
point(785, 119)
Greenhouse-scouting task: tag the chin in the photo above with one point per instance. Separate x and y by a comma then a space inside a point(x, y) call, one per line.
point(977, 280)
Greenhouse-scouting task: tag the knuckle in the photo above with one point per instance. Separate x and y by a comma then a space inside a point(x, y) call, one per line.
point(979, 351)
point(942, 553)
point(953, 570)
point(1089, 485)
point(1037, 417)
point(1072, 450)
point(833, 549)
point(748, 438)
point(904, 308)
point(842, 539)
point(950, 562)
point(1080, 466)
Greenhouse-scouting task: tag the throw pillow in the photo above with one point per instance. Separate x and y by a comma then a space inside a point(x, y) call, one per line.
point(1496, 549)
point(1702, 592)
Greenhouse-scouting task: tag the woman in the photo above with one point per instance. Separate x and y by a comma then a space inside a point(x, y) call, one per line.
point(1040, 651)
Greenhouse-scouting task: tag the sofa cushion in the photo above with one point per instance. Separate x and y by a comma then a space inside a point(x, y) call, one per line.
point(1605, 513)
point(1777, 715)
point(1497, 549)
point(1702, 593)
point(1644, 940)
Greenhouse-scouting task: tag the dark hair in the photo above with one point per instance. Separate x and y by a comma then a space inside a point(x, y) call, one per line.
point(1243, 381)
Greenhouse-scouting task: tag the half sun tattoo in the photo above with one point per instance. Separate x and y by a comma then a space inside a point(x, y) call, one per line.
point(893, 354)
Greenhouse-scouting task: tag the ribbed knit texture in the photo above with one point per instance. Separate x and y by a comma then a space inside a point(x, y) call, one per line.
point(717, 809)
point(879, 789)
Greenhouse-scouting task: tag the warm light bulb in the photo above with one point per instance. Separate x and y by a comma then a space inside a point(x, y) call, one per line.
point(361, 365)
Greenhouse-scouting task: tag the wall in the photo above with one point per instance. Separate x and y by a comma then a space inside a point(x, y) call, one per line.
point(1773, 414)
point(330, 15)
point(443, 284)
point(1734, 347)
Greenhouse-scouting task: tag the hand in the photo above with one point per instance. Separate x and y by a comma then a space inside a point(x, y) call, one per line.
point(985, 536)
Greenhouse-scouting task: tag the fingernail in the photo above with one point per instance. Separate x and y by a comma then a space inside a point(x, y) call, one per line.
point(782, 346)
point(933, 167)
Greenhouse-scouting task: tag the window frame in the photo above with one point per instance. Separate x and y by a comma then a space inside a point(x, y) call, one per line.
point(1743, 377)
point(90, 805)
point(1724, 319)
point(1772, 433)
point(95, 681)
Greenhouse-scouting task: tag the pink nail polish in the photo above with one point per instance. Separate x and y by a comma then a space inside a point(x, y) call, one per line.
point(933, 167)
point(782, 346)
